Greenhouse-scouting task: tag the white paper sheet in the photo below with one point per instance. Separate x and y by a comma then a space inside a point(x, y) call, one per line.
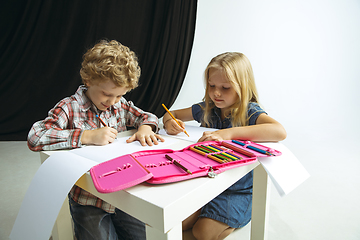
point(285, 171)
point(117, 148)
point(46, 194)
point(194, 132)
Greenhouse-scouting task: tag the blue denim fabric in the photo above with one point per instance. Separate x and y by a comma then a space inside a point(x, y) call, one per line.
point(254, 110)
point(233, 206)
point(92, 223)
point(230, 207)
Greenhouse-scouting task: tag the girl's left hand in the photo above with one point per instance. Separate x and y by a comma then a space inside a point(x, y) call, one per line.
point(218, 135)
point(145, 136)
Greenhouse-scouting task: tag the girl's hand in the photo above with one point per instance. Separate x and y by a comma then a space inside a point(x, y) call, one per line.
point(145, 136)
point(100, 136)
point(219, 135)
point(172, 128)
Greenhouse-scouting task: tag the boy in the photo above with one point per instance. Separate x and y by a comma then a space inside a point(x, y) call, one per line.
point(109, 70)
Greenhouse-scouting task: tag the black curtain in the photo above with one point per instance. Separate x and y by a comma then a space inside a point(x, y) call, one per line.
point(42, 43)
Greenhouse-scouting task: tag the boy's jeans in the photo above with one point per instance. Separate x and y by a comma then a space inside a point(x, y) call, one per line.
point(92, 223)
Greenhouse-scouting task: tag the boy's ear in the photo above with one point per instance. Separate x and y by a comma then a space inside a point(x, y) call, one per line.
point(86, 83)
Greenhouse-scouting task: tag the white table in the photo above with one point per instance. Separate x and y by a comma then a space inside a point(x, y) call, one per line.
point(164, 207)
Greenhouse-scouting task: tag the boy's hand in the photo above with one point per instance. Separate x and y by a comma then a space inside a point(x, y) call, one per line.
point(172, 128)
point(100, 136)
point(145, 136)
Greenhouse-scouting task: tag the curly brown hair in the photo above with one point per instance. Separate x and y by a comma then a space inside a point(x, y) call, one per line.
point(110, 60)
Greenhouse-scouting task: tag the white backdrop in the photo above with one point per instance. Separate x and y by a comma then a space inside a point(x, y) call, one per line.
point(306, 60)
point(305, 56)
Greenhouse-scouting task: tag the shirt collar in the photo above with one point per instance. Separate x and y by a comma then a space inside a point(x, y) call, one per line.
point(80, 96)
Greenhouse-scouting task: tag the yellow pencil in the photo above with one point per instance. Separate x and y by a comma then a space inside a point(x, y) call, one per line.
point(174, 119)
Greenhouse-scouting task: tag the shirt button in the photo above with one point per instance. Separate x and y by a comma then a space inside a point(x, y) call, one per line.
point(74, 143)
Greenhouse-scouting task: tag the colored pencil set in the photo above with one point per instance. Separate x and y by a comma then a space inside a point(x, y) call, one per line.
point(228, 151)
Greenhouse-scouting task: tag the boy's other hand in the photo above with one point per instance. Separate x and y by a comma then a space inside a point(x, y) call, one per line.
point(100, 136)
point(145, 136)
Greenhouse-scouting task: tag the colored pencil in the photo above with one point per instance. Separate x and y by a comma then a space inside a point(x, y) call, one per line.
point(205, 154)
point(101, 120)
point(175, 119)
point(237, 149)
point(208, 151)
point(230, 152)
point(220, 154)
point(177, 164)
point(253, 148)
point(225, 153)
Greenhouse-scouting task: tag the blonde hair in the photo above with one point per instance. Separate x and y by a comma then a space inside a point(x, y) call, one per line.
point(238, 70)
point(110, 61)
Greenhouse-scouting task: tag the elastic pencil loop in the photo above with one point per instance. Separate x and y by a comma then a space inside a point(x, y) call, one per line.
point(207, 166)
point(214, 153)
point(247, 143)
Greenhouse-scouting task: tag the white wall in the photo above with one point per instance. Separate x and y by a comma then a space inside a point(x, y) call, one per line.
point(306, 60)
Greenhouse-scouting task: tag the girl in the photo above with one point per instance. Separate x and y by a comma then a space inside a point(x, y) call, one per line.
point(231, 105)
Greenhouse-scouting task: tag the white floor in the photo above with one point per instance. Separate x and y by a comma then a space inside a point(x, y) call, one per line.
point(326, 206)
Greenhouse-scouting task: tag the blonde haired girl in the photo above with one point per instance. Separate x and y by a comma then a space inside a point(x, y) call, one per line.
point(231, 105)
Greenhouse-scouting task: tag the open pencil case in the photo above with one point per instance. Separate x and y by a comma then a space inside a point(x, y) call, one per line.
point(166, 165)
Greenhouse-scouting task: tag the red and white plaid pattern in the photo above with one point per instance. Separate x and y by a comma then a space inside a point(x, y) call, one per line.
point(66, 122)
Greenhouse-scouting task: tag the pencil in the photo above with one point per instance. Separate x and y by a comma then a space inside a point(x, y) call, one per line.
point(254, 148)
point(205, 154)
point(101, 120)
point(174, 119)
point(237, 149)
point(232, 157)
point(229, 151)
point(219, 155)
point(177, 164)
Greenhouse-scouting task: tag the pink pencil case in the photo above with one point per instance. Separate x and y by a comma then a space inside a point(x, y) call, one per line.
point(153, 166)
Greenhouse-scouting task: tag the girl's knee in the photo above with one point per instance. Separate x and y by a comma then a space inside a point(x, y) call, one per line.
point(203, 231)
point(210, 229)
point(200, 234)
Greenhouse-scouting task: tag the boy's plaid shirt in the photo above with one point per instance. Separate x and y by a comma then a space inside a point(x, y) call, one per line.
point(66, 122)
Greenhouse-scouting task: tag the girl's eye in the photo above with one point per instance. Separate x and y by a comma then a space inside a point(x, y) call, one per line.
point(211, 86)
point(226, 88)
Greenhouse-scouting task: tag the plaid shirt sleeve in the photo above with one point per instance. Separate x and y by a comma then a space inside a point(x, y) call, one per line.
point(135, 117)
point(54, 132)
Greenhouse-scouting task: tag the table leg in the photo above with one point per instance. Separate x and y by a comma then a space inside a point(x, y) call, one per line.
point(260, 204)
point(154, 234)
point(62, 229)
